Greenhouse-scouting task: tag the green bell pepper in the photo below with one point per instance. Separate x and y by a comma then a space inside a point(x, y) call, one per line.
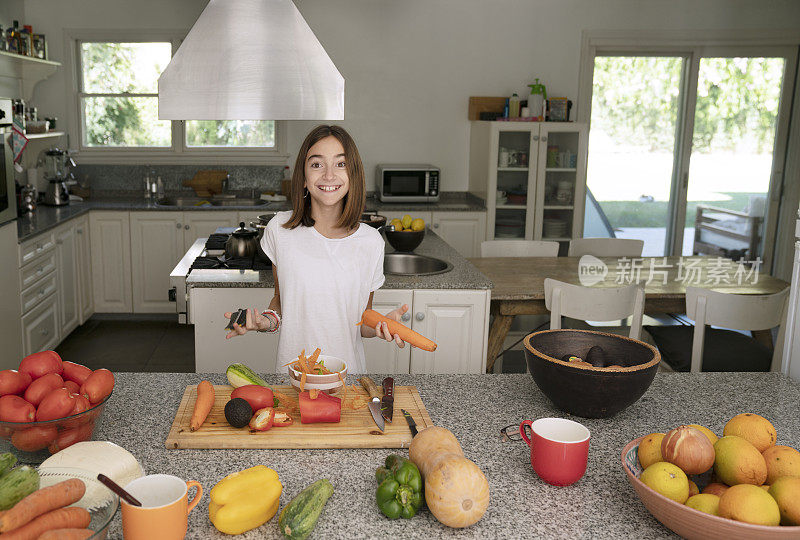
point(399, 491)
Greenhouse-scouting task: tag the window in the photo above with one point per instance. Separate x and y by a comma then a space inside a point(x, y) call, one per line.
point(117, 109)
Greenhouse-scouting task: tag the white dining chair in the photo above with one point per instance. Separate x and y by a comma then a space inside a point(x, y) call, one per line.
point(606, 247)
point(594, 303)
point(735, 311)
point(519, 248)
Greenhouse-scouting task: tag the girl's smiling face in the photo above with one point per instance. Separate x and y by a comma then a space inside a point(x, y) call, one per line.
point(327, 180)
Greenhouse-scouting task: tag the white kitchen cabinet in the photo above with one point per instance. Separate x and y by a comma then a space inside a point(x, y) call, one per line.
point(84, 267)
point(110, 239)
point(530, 162)
point(464, 231)
point(67, 279)
point(40, 327)
point(197, 224)
point(457, 320)
point(157, 244)
point(214, 353)
point(382, 356)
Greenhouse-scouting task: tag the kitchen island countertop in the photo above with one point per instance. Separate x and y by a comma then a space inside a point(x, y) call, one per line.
point(464, 275)
point(474, 408)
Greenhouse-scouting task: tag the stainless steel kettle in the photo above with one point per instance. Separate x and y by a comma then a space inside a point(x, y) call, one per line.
point(243, 242)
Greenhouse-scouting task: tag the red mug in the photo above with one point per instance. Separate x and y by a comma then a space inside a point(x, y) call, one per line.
point(559, 449)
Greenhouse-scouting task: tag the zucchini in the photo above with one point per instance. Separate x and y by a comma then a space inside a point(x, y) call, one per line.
point(7, 461)
point(241, 375)
point(299, 517)
point(16, 485)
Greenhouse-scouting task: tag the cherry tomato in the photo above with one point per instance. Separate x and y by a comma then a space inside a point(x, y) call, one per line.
point(42, 386)
point(41, 363)
point(15, 409)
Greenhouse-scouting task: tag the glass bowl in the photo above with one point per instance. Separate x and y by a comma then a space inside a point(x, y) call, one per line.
point(101, 502)
point(33, 442)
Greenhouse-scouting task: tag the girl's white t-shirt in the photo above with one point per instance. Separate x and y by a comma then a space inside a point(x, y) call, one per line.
point(324, 285)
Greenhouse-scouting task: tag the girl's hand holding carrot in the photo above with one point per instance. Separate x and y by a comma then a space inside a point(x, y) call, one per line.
point(382, 328)
point(389, 326)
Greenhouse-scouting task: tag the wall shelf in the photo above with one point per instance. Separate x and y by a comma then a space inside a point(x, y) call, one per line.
point(28, 69)
point(44, 135)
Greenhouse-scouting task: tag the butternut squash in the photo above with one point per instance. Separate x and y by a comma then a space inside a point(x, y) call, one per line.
point(456, 490)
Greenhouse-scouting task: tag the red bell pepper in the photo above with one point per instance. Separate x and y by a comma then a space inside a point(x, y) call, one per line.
point(282, 419)
point(323, 409)
point(262, 419)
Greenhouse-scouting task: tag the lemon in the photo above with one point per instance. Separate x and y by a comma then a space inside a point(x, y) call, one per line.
point(704, 502)
point(650, 450)
point(418, 225)
point(668, 480)
point(751, 504)
point(398, 225)
point(406, 221)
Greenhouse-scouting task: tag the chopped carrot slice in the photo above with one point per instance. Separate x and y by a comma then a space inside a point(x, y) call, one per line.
point(313, 393)
point(303, 381)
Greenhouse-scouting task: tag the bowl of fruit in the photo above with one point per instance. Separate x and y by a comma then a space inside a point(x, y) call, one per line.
point(47, 405)
point(590, 374)
point(405, 234)
point(740, 486)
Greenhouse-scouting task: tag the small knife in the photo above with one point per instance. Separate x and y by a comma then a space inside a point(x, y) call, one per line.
point(387, 403)
point(375, 404)
point(411, 424)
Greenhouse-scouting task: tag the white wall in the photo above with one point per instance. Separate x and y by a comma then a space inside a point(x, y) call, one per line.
point(411, 65)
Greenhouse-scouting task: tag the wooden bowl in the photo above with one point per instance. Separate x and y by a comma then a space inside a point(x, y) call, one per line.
point(587, 391)
point(688, 522)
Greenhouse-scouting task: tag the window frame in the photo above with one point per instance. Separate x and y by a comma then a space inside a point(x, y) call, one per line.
point(178, 152)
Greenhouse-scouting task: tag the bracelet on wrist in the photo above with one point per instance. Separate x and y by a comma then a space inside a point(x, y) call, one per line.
point(274, 318)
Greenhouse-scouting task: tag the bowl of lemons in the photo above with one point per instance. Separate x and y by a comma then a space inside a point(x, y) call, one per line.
point(407, 233)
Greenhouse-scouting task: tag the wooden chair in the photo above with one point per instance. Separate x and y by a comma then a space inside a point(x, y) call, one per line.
point(597, 304)
point(737, 311)
point(606, 247)
point(519, 248)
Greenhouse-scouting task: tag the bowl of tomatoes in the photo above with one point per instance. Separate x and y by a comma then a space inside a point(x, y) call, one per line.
point(48, 404)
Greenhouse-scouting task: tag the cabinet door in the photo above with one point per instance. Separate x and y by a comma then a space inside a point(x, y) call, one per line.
point(156, 247)
point(198, 224)
point(67, 279)
point(463, 230)
point(84, 260)
point(382, 356)
point(40, 327)
point(213, 353)
point(456, 322)
point(111, 262)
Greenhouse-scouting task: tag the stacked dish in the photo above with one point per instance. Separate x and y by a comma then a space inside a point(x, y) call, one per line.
point(554, 228)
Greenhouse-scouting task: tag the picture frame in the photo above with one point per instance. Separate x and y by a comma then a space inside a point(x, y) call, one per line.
point(558, 109)
point(39, 46)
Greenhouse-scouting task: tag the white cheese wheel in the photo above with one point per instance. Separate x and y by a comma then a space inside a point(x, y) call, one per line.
point(99, 457)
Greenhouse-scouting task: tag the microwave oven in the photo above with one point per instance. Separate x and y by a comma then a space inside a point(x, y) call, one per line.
point(407, 183)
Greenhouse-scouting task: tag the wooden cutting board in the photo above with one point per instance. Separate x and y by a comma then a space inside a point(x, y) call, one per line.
point(356, 429)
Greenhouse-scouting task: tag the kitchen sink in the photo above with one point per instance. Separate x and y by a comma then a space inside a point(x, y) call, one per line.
point(411, 264)
point(184, 202)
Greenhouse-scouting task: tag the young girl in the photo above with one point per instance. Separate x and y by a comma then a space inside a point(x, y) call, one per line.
point(327, 263)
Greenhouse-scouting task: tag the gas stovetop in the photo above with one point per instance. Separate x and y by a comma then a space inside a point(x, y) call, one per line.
point(213, 257)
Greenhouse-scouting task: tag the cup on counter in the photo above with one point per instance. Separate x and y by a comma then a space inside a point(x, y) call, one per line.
point(164, 513)
point(559, 449)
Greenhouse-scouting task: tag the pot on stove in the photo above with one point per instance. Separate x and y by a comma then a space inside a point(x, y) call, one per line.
point(243, 242)
point(259, 225)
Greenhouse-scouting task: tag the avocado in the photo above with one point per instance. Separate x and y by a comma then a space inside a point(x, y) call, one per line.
point(238, 412)
point(597, 356)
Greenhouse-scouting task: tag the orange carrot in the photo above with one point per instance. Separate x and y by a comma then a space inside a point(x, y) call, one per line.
point(371, 318)
point(202, 405)
point(63, 518)
point(42, 501)
point(313, 393)
point(303, 381)
point(67, 534)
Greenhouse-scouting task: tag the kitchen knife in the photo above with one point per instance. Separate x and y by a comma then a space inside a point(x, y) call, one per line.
point(387, 403)
point(411, 424)
point(375, 403)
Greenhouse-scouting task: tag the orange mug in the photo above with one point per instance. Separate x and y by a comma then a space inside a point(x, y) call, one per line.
point(164, 513)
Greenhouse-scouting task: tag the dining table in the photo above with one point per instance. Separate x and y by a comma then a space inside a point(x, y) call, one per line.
point(519, 284)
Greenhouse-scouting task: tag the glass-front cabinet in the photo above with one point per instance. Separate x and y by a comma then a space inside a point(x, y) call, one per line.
point(532, 176)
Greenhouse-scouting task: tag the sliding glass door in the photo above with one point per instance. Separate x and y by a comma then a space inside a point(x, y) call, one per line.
point(686, 150)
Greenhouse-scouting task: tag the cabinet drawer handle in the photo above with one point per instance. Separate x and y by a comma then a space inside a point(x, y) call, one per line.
point(41, 292)
point(186, 227)
point(40, 270)
point(79, 231)
point(45, 331)
point(535, 137)
point(435, 225)
point(177, 225)
point(544, 139)
point(420, 316)
point(406, 317)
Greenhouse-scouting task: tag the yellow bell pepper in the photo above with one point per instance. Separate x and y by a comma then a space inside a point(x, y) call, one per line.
point(245, 500)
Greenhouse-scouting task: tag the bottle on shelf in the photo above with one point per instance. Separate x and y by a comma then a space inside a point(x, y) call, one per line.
point(147, 186)
point(159, 188)
point(536, 100)
point(513, 106)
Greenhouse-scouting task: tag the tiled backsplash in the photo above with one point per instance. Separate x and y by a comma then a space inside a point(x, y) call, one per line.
point(131, 177)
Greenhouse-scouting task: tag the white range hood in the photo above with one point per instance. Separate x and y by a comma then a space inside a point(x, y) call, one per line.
point(251, 60)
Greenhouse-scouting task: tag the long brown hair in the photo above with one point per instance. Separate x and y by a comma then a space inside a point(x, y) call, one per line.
point(355, 198)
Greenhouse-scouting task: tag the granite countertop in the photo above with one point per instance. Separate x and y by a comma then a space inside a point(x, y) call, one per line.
point(474, 408)
point(48, 217)
point(464, 275)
